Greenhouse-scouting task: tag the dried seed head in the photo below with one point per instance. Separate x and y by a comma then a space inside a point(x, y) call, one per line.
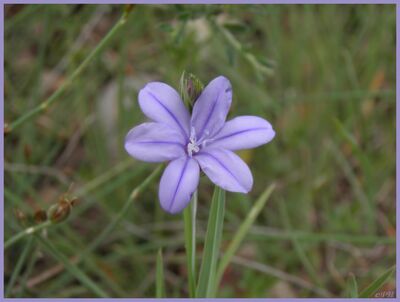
point(21, 217)
point(6, 129)
point(40, 216)
point(59, 212)
point(73, 201)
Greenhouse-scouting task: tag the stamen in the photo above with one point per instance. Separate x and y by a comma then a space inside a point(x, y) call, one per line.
point(192, 134)
point(192, 146)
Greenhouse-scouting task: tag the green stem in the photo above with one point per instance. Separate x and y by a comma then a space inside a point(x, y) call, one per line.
point(89, 187)
point(160, 287)
point(72, 268)
point(212, 245)
point(241, 234)
point(298, 248)
point(55, 96)
point(26, 232)
point(194, 212)
point(96, 242)
point(237, 46)
point(132, 197)
point(18, 267)
point(28, 270)
point(189, 217)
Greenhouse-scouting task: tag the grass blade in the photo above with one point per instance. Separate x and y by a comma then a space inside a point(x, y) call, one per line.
point(55, 96)
point(352, 287)
point(211, 245)
point(26, 232)
point(377, 284)
point(271, 271)
point(160, 287)
point(241, 233)
point(120, 215)
point(297, 246)
point(18, 266)
point(189, 217)
point(359, 192)
point(72, 268)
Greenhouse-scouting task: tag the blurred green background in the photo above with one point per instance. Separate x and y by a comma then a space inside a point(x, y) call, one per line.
point(323, 75)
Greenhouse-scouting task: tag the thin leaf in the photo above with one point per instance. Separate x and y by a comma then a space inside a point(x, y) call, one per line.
point(120, 215)
point(359, 191)
point(286, 277)
point(377, 284)
point(67, 83)
point(298, 247)
point(18, 266)
point(72, 268)
point(261, 69)
point(352, 287)
point(189, 217)
point(27, 232)
point(160, 287)
point(241, 233)
point(212, 245)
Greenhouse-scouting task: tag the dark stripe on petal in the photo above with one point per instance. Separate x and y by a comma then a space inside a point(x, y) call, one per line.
point(169, 112)
point(200, 134)
point(223, 166)
point(240, 132)
point(178, 185)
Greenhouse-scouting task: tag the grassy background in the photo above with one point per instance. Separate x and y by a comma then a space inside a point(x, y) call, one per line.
point(330, 98)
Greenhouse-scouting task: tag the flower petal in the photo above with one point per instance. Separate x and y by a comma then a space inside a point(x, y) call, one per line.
point(225, 169)
point(161, 103)
point(178, 182)
point(211, 108)
point(154, 142)
point(243, 132)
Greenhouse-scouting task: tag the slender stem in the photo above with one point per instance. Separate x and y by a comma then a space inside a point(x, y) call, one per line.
point(18, 266)
point(237, 46)
point(55, 96)
point(27, 272)
point(281, 275)
point(160, 286)
point(117, 219)
point(241, 234)
point(104, 178)
point(72, 268)
point(194, 212)
point(307, 264)
point(89, 187)
point(189, 217)
point(212, 244)
point(132, 197)
point(104, 234)
point(26, 232)
point(95, 243)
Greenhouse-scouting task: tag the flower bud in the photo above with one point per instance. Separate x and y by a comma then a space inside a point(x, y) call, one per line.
point(190, 89)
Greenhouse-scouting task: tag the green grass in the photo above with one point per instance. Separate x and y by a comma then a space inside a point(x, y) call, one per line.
point(327, 230)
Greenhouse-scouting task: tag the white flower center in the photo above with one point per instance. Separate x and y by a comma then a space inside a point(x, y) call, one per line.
point(194, 146)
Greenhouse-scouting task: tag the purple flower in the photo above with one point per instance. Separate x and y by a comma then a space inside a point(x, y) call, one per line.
point(203, 140)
